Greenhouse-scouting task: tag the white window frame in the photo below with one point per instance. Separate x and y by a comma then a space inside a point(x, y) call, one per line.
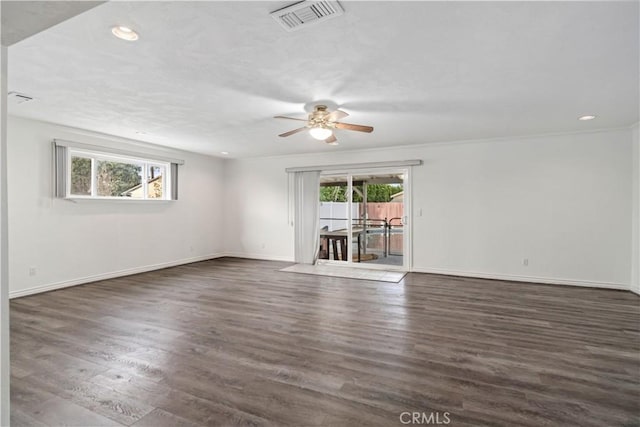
point(139, 161)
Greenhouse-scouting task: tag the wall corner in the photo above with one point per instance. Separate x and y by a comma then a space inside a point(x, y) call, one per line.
point(635, 209)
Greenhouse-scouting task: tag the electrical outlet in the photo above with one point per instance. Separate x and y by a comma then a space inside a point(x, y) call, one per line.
point(525, 261)
point(32, 271)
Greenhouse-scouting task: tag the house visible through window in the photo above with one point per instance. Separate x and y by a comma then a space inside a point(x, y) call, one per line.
point(155, 185)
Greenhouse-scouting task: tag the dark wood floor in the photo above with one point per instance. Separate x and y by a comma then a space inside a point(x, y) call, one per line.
point(236, 342)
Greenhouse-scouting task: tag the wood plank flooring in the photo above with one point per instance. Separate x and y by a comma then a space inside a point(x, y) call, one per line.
point(236, 342)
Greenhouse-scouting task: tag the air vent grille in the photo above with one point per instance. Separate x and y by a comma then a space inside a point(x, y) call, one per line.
point(18, 98)
point(304, 13)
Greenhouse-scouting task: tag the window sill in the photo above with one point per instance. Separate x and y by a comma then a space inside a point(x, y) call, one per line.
point(114, 199)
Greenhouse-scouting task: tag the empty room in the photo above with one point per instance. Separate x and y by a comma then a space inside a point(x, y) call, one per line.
point(320, 213)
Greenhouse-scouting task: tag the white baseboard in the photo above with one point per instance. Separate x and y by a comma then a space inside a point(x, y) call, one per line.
point(110, 275)
point(532, 279)
point(261, 257)
point(507, 277)
point(144, 269)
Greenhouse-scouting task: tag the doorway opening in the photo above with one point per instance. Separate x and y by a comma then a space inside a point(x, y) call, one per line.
point(363, 220)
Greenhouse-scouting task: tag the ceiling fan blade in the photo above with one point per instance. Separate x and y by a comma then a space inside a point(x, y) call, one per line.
point(331, 140)
point(289, 118)
point(336, 115)
point(291, 132)
point(349, 126)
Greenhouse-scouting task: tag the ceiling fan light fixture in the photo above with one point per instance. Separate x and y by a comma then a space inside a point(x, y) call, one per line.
point(320, 133)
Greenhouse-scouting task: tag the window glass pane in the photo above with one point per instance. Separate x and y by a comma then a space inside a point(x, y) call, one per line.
point(80, 176)
point(155, 181)
point(118, 179)
point(99, 175)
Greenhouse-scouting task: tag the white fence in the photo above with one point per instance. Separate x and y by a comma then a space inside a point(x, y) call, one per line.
point(336, 210)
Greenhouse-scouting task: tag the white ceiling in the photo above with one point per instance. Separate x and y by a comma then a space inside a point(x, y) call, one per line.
point(22, 19)
point(208, 76)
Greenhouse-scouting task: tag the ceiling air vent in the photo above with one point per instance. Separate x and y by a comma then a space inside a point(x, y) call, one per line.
point(305, 13)
point(18, 98)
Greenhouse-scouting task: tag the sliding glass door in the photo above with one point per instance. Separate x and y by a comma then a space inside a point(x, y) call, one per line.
point(334, 217)
point(363, 219)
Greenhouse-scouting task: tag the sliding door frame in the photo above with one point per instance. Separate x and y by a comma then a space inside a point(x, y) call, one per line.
point(407, 238)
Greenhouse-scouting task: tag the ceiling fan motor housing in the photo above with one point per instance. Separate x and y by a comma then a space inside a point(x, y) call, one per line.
point(319, 117)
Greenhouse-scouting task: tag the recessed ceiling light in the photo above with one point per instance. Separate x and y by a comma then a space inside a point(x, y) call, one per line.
point(224, 152)
point(124, 33)
point(585, 118)
point(140, 132)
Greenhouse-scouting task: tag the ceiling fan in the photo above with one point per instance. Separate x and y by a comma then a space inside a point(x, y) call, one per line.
point(322, 122)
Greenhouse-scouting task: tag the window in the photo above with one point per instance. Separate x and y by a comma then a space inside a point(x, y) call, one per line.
point(86, 174)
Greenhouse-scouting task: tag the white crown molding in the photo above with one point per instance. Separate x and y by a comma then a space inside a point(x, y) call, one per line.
point(446, 143)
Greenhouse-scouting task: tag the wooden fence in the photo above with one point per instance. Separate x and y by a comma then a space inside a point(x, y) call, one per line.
point(383, 210)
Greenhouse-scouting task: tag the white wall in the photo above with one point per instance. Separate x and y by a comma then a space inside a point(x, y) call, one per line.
point(635, 251)
point(71, 243)
point(560, 201)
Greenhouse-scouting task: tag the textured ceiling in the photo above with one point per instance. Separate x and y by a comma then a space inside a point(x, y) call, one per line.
point(209, 76)
point(22, 19)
